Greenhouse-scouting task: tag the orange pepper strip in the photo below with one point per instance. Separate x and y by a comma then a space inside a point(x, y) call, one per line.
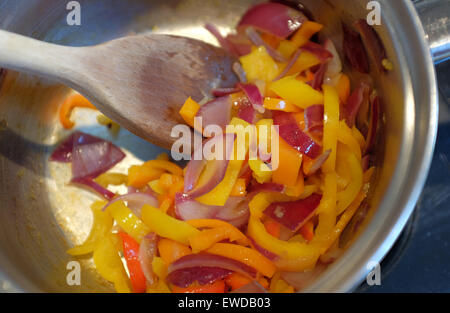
point(307, 231)
point(236, 281)
point(239, 188)
point(297, 190)
point(271, 40)
point(367, 176)
point(170, 250)
point(65, 111)
point(273, 228)
point(343, 88)
point(189, 110)
point(306, 31)
point(289, 165)
point(216, 287)
point(140, 175)
point(244, 255)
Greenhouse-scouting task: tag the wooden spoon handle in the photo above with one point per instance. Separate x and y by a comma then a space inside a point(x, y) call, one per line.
point(29, 55)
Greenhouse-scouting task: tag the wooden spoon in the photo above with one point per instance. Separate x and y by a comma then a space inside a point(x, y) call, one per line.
point(140, 81)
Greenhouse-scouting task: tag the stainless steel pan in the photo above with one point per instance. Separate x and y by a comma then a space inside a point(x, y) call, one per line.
point(41, 216)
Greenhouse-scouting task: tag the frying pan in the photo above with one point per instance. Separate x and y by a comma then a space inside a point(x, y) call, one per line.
point(41, 216)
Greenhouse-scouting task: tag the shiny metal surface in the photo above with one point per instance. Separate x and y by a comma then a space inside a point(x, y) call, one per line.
point(41, 216)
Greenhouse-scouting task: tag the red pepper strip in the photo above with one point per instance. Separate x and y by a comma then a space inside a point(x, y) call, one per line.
point(131, 253)
point(290, 131)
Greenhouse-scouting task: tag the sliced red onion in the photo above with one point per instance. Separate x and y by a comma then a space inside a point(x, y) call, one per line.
point(372, 42)
point(247, 112)
point(211, 260)
point(63, 152)
point(334, 67)
point(92, 156)
point(234, 211)
point(291, 63)
point(273, 18)
point(239, 71)
point(319, 77)
point(365, 161)
point(202, 274)
point(294, 136)
point(314, 117)
point(147, 251)
point(354, 102)
point(187, 208)
point(135, 201)
point(266, 187)
point(294, 214)
point(374, 123)
point(354, 50)
point(254, 96)
point(256, 39)
point(92, 185)
point(318, 50)
point(217, 166)
point(270, 255)
point(242, 45)
point(224, 43)
point(221, 92)
point(216, 112)
point(319, 162)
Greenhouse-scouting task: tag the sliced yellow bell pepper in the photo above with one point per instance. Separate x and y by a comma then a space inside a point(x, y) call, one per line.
point(305, 61)
point(218, 231)
point(359, 137)
point(189, 110)
point(159, 287)
point(114, 179)
point(208, 237)
point(298, 189)
point(344, 220)
point(128, 221)
point(220, 194)
point(276, 104)
point(326, 212)
point(154, 184)
point(264, 133)
point(343, 88)
point(306, 31)
point(261, 172)
point(345, 135)
point(286, 48)
point(296, 92)
point(346, 197)
point(293, 255)
point(101, 226)
point(259, 65)
point(108, 263)
point(245, 255)
point(167, 226)
point(159, 267)
point(331, 126)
